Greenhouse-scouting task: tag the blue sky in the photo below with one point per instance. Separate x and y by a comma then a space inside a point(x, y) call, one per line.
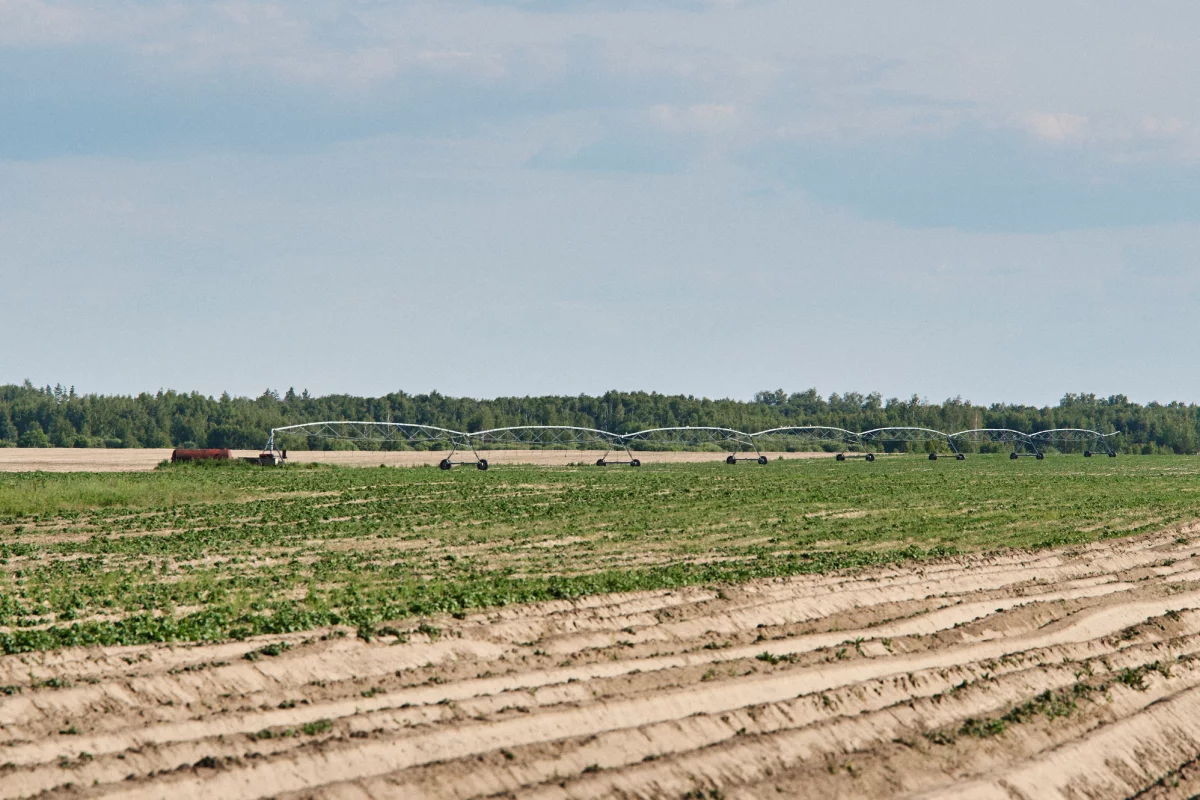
point(998, 201)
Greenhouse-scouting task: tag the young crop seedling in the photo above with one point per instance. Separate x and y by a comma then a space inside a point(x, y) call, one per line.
point(217, 554)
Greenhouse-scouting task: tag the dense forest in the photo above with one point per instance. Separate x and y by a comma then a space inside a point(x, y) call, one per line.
point(58, 417)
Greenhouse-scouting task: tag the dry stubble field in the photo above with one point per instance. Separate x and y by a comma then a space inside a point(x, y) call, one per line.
point(808, 629)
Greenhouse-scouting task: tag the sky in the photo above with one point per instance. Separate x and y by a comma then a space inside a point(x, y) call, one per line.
point(998, 201)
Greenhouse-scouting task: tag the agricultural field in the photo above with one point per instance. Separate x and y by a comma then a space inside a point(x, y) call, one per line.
point(69, 459)
point(984, 628)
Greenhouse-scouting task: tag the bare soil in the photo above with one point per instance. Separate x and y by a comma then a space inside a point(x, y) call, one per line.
point(1057, 674)
point(140, 460)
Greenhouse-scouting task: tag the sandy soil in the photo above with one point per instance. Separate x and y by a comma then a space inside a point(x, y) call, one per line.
point(16, 459)
point(1069, 674)
point(137, 460)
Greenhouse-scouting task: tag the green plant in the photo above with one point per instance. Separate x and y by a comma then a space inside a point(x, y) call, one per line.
point(258, 552)
point(314, 728)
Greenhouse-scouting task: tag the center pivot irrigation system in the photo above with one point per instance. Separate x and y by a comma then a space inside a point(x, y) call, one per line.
point(406, 436)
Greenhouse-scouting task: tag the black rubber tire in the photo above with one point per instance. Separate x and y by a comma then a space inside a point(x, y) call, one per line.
point(870, 456)
point(1087, 453)
point(481, 465)
point(444, 464)
point(961, 457)
point(635, 463)
point(1041, 456)
point(731, 460)
point(762, 460)
point(933, 456)
point(1013, 455)
point(840, 456)
point(600, 462)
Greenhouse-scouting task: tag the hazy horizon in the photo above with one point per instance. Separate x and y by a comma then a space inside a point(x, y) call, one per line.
point(281, 391)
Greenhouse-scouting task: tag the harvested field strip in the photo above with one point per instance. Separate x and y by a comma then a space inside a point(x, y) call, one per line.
point(1054, 673)
point(146, 459)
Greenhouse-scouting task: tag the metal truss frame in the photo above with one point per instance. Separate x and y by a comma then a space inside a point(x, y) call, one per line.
point(913, 434)
point(387, 435)
point(1099, 441)
point(819, 433)
point(382, 434)
point(1022, 443)
point(699, 436)
point(558, 437)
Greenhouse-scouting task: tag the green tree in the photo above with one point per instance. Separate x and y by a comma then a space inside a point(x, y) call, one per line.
point(171, 418)
point(61, 432)
point(34, 436)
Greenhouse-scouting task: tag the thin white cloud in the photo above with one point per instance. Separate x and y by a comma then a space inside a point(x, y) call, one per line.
point(698, 117)
point(1164, 126)
point(1057, 126)
point(39, 23)
point(852, 81)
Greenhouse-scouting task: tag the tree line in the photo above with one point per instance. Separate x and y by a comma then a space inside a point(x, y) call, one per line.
point(56, 416)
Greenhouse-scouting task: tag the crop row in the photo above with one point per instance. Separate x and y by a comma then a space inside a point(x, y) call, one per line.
point(191, 553)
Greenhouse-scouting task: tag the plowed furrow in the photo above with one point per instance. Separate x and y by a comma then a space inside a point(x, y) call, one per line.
point(820, 721)
point(374, 758)
point(822, 686)
point(1115, 761)
point(162, 699)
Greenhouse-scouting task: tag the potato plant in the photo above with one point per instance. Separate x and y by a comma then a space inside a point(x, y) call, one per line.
point(202, 553)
